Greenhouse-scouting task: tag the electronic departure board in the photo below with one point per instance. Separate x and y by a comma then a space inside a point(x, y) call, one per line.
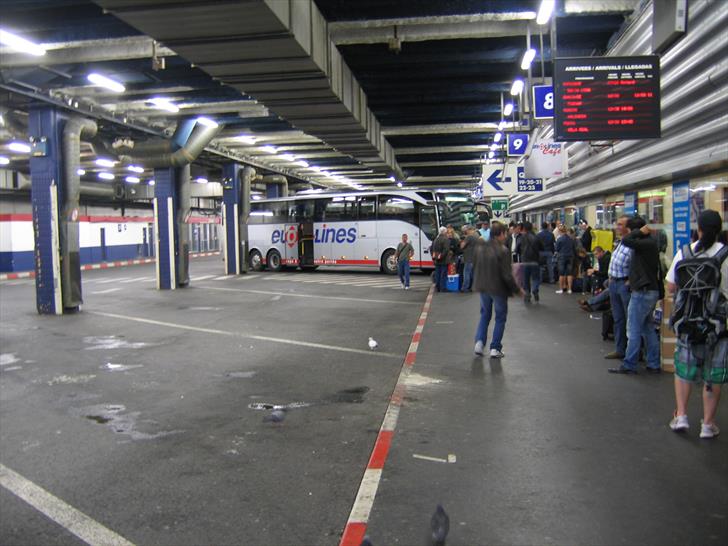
point(606, 98)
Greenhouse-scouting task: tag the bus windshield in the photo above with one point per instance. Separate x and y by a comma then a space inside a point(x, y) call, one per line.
point(456, 209)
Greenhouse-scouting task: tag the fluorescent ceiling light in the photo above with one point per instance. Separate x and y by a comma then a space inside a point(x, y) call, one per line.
point(256, 197)
point(261, 213)
point(80, 172)
point(101, 162)
point(528, 57)
point(392, 179)
point(106, 176)
point(302, 164)
point(288, 157)
point(502, 125)
point(507, 110)
point(132, 180)
point(20, 44)
point(493, 146)
point(491, 155)
point(4, 160)
point(201, 180)
point(544, 11)
point(19, 147)
point(108, 83)
point(151, 182)
point(399, 184)
point(517, 87)
point(497, 137)
point(207, 122)
point(246, 139)
point(164, 104)
point(135, 169)
point(269, 149)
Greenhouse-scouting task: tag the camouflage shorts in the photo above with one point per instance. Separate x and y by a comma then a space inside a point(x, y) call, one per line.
point(691, 364)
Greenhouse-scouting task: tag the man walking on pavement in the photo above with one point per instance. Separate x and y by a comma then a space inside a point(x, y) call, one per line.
point(647, 287)
point(440, 248)
point(494, 280)
point(468, 246)
point(619, 294)
point(548, 241)
point(403, 254)
point(528, 249)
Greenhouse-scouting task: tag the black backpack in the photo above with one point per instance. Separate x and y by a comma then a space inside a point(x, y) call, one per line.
point(700, 311)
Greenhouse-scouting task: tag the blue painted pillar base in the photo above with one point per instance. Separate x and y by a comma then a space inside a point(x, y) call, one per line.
point(231, 218)
point(165, 206)
point(44, 122)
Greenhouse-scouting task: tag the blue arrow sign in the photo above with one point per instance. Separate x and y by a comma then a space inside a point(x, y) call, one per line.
point(495, 179)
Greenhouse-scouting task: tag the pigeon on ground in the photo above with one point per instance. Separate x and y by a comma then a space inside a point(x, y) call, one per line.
point(372, 343)
point(276, 416)
point(366, 542)
point(440, 526)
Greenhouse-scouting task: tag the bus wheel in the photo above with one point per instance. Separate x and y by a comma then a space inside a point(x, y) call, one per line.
point(274, 261)
point(389, 262)
point(255, 260)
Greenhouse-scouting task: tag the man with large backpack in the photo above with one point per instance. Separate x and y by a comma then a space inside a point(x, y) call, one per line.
point(528, 249)
point(699, 278)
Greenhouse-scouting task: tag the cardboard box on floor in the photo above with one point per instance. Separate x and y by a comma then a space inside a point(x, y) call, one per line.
point(667, 336)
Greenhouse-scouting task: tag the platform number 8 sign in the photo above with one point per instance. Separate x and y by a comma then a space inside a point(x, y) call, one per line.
point(517, 143)
point(543, 101)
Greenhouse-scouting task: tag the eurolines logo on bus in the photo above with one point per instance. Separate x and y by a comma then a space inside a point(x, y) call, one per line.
point(321, 235)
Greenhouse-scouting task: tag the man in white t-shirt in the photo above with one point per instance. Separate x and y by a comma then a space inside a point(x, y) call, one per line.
point(690, 365)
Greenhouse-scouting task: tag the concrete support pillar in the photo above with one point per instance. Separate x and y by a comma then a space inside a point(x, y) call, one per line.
point(44, 127)
point(234, 260)
point(246, 180)
point(165, 206)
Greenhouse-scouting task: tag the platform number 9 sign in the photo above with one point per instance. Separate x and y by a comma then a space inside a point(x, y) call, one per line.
point(517, 143)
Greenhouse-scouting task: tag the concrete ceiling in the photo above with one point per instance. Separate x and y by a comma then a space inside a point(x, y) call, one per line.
point(318, 80)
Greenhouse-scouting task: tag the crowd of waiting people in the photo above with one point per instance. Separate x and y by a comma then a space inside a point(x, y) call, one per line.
point(625, 282)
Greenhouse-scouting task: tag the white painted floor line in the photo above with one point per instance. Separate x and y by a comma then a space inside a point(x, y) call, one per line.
point(247, 336)
point(450, 458)
point(115, 279)
point(65, 515)
point(314, 296)
point(222, 277)
point(201, 278)
point(109, 291)
point(137, 279)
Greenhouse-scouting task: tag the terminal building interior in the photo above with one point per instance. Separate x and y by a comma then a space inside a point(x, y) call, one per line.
point(226, 314)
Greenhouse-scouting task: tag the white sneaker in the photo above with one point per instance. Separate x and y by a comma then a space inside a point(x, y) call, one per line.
point(559, 291)
point(478, 348)
point(406, 287)
point(568, 292)
point(679, 423)
point(401, 284)
point(495, 353)
point(708, 431)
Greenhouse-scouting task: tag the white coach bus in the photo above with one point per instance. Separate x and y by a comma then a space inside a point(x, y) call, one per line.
point(352, 229)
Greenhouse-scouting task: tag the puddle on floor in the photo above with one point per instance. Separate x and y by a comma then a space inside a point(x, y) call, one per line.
point(240, 375)
point(71, 379)
point(115, 417)
point(8, 358)
point(268, 406)
point(354, 395)
point(110, 366)
point(112, 342)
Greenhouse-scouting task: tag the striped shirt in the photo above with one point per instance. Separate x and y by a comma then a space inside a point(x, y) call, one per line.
point(619, 264)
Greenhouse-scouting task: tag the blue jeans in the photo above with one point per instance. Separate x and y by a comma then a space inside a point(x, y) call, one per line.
point(441, 277)
point(619, 298)
point(486, 312)
point(467, 277)
point(531, 278)
point(641, 325)
point(403, 269)
point(549, 258)
point(602, 297)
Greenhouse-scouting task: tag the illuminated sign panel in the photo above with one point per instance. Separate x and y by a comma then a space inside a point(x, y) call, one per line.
point(606, 98)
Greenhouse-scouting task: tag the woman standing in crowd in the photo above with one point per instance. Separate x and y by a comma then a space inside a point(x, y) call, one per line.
point(565, 249)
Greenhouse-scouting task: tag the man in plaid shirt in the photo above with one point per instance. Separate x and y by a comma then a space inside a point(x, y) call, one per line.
point(619, 293)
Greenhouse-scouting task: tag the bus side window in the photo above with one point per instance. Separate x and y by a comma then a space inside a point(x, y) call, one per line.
point(394, 207)
point(339, 209)
point(428, 221)
point(319, 209)
point(301, 211)
point(367, 207)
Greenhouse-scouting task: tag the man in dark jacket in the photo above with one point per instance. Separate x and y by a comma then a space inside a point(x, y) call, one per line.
point(494, 280)
point(468, 247)
point(528, 248)
point(440, 249)
point(548, 241)
point(647, 288)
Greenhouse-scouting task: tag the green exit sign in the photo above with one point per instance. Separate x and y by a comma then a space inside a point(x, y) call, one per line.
point(499, 204)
